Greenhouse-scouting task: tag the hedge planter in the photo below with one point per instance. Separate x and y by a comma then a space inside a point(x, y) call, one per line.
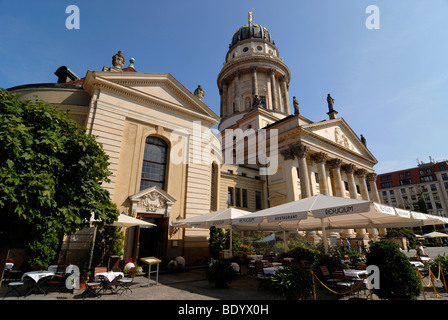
point(398, 279)
point(220, 273)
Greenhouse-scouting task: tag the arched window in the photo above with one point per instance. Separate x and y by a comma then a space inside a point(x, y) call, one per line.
point(154, 163)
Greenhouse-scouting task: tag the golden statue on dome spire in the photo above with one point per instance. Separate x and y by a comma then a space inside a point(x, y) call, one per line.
point(250, 16)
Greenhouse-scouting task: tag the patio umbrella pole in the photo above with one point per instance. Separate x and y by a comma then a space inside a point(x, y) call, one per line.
point(231, 245)
point(284, 241)
point(93, 247)
point(324, 235)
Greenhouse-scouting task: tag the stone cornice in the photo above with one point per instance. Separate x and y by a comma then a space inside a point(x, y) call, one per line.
point(248, 61)
point(119, 85)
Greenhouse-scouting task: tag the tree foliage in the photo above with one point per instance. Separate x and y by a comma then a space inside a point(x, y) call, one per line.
point(50, 176)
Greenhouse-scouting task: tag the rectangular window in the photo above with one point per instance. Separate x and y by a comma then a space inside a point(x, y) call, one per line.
point(257, 200)
point(230, 196)
point(346, 185)
point(237, 197)
point(386, 185)
point(263, 102)
point(244, 198)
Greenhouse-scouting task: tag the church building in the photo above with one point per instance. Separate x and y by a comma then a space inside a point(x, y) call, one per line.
point(167, 163)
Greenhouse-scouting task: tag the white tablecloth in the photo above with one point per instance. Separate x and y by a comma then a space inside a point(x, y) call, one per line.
point(255, 256)
point(271, 270)
point(355, 274)
point(37, 275)
point(258, 260)
point(417, 264)
point(109, 275)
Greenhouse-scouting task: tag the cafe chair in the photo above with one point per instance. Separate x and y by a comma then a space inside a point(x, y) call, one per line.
point(327, 276)
point(57, 281)
point(13, 287)
point(263, 279)
point(126, 283)
point(113, 263)
point(107, 285)
point(92, 288)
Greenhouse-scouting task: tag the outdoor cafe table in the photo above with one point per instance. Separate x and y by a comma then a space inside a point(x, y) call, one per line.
point(271, 270)
point(355, 274)
point(417, 264)
point(109, 275)
point(36, 276)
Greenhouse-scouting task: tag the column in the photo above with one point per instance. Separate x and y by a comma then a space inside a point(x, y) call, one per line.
point(340, 190)
point(254, 82)
point(349, 170)
point(290, 174)
point(273, 89)
point(371, 178)
point(224, 99)
point(236, 91)
point(361, 174)
point(339, 184)
point(287, 107)
point(221, 112)
point(269, 100)
point(320, 159)
point(300, 151)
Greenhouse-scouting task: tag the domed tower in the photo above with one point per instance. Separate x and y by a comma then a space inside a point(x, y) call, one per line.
point(253, 77)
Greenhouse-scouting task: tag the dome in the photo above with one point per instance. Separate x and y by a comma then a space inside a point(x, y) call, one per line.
point(251, 31)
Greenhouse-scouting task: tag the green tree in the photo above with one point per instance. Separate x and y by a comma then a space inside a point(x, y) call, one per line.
point(51, 173)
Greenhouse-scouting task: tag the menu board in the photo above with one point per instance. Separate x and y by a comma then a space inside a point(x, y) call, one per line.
point(150, 260)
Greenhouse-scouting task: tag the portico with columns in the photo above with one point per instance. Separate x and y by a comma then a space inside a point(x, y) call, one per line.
point(315, 164)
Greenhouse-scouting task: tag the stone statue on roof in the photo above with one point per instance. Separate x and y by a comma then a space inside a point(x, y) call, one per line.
point(296, 105)
point(199, 92)
point(363, 140)
point(256, 103)
point(330, 101)
point(118, 60)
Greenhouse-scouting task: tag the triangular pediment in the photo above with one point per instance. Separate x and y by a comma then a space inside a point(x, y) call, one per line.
point(277, 198)
point(159, 89)
point(339, 133)
point(152, 200)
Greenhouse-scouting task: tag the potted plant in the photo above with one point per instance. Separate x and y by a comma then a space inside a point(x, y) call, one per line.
point(293, 282)
point(398, 279)
point(220, 273)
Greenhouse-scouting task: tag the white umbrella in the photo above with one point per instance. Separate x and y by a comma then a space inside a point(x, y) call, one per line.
point(435, 234)
point(326, 212)
point(123, 221)
point(127, 221)
point(220, 219)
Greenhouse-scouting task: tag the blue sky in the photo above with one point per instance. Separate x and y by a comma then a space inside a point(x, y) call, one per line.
point(389, 84)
